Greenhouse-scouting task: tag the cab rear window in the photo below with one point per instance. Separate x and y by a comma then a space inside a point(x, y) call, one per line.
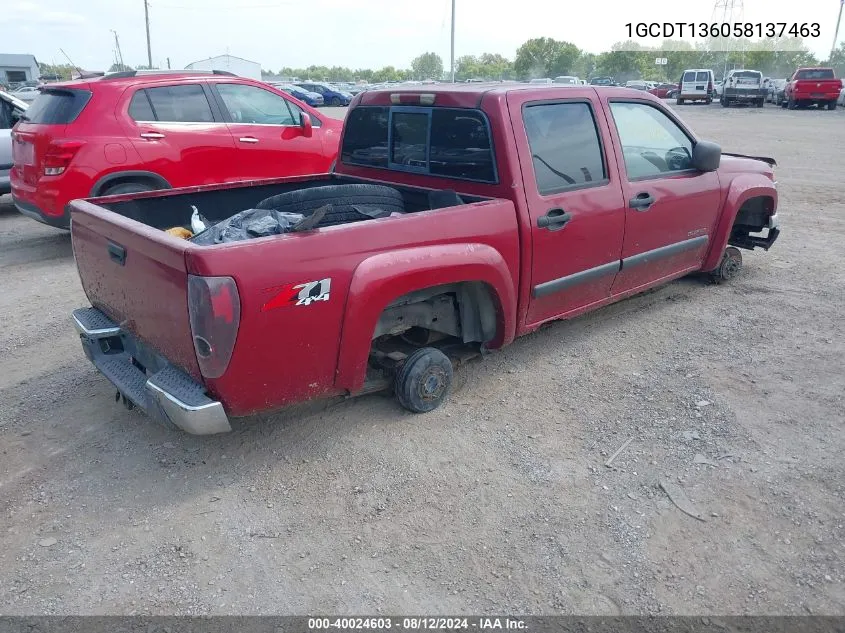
point(57, 106)
point(816, 73)
point(448, 142)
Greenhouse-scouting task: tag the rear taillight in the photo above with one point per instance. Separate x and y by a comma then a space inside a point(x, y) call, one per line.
point(58, 156)
point(710, 86)
point(214, 309)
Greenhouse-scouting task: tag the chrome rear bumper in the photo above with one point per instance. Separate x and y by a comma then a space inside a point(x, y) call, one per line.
point(161, 390)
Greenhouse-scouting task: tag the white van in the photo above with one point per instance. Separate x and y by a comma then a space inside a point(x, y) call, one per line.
point(696, 85)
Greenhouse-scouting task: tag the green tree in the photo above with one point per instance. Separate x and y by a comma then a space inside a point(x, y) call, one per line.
point(427, 66)
point(545, 57)
point(467, 67)
point(62, 71)
point(116, 68)
point(837, 60)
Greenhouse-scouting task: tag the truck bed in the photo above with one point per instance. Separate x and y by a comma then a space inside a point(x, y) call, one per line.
point(169, 208)
point(137, 276)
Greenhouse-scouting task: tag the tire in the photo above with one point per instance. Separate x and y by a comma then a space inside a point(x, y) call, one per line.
point(334, 102)
point(761, 103)
point(724, 102)
point(424, 381)
point(127, 187)
point(729, 266)
point(708, 101)
point(791, 104)
point(679, 101)
point(831, 105)
point(343, 198)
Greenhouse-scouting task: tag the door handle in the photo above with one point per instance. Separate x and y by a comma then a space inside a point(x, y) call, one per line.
point(642, 201)
point(152, 135)
point(248, 139)
point(554, 220)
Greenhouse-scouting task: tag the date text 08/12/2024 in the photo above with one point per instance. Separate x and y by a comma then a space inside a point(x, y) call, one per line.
point(722, 29)
point(416, 624)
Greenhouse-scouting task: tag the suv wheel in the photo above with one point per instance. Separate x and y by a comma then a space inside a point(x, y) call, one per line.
point(335, 101)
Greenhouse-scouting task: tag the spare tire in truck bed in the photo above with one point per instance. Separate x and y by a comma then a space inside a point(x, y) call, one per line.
point(349, 203)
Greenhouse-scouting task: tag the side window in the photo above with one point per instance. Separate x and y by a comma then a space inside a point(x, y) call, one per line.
point(565, 146)
point(140, 108)
point(248, 104)
point(296, 111)
point(652, 143)
point(182, 104)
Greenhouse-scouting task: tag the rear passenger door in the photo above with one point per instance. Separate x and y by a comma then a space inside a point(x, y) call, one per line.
point(574, 201)
point(267, 130)
point(179, 134)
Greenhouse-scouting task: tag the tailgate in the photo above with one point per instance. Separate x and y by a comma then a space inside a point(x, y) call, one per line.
point(136, 275)
point(821, 87)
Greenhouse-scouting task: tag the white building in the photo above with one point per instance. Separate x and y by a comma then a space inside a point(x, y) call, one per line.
point(18, 68)
point(237, 65)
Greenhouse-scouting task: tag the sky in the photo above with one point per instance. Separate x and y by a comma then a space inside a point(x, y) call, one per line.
point(356, 34)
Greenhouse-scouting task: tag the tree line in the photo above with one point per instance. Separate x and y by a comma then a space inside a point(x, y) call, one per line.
point(547, 57)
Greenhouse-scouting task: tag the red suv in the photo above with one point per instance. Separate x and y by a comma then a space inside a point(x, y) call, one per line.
point(139, 131)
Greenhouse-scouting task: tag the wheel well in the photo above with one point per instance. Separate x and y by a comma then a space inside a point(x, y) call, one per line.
point(754, 213)
point(120, 178)
point(465, 310)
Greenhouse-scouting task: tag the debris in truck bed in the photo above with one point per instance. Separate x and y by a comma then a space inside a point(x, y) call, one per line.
point(247, 225)
point(181, 232)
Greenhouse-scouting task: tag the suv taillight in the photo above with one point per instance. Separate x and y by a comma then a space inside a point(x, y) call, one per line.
point(58, 156)
point(214, 309)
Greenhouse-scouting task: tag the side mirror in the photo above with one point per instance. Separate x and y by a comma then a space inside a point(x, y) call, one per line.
point(706, 156)
point(305, 124)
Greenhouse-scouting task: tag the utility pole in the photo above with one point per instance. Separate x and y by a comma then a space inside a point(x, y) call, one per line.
point(118, 51)
point(452, 65)
point(836, 33)
point(147, 20)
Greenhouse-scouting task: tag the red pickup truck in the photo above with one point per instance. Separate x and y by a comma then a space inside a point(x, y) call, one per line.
point(809, 86)
point(499, 208)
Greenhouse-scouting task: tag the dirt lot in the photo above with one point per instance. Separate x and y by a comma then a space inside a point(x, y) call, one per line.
point(497, 502)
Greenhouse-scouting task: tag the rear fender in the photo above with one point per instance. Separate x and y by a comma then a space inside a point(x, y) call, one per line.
point(385, 277)
point(742, 188)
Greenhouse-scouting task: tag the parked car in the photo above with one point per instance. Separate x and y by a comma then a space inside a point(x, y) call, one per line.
point(567, 80)
point(812, 86)
point(637, 84)
point(841, 99)
point(718, 87)
point(331, 96)
point(696, 85)
point(541, 80)
point(743, 86)
point(11, 111)
point(471, 248)
point(139, 131)
point(774, 94)
point(313, 99)
point(26, 93)
point(602, 81)
point(661, 91)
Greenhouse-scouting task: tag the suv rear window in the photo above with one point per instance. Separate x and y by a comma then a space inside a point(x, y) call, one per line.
point(448, 142)
point(817, 73)
point(57, 106)
point(702, 76)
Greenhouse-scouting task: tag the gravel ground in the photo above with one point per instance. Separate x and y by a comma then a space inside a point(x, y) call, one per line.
point(497, 502)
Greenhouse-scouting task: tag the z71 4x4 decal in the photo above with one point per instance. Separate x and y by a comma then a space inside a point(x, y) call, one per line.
point(299, 294)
